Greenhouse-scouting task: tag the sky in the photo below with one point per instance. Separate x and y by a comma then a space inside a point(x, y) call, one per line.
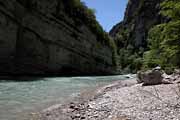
point(108, 12)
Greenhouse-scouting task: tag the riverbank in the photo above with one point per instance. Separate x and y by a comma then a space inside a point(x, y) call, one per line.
point(74, 108)
point(21, 98)
point(121, 100)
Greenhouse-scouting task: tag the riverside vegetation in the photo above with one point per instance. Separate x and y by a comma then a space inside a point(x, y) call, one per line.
point(164, 39)
point(63, 36)
point(160, 47)
point(126, 100)
point(148, 36)
point(161, 43)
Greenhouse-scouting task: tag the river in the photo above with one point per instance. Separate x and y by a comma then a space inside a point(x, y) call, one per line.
point(19, 99)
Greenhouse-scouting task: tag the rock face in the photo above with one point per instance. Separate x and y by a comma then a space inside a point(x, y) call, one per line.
point(151, 77)
point(34, 41)
point(156, 76)
point(140, 16)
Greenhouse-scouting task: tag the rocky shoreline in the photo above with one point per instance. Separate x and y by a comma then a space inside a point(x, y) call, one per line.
point(121, 100)
point(74, 108)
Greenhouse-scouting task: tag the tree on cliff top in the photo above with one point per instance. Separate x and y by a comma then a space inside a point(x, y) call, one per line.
point(80, 13)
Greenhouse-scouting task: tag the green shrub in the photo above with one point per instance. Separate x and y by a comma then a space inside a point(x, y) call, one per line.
point(164, 39)
point(169, 70)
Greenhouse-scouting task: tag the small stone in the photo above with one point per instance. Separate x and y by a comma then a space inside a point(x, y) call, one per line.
point(77, 116)
point(72, 106)
point(83, 117)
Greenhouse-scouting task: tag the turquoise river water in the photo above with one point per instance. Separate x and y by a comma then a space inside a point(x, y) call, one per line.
point(19, 99)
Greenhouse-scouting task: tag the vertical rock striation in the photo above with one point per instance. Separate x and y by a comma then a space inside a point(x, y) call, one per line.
point(34, 41)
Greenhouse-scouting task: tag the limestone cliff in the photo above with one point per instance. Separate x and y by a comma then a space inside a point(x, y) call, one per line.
point(33, 40)
point(131, 34)
point(139, 17)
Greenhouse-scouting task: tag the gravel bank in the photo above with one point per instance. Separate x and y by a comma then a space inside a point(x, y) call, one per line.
point(122, 100)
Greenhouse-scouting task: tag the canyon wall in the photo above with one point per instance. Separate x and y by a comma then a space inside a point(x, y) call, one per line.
point(35, 41)
point(131, 34)
point(140, 16)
